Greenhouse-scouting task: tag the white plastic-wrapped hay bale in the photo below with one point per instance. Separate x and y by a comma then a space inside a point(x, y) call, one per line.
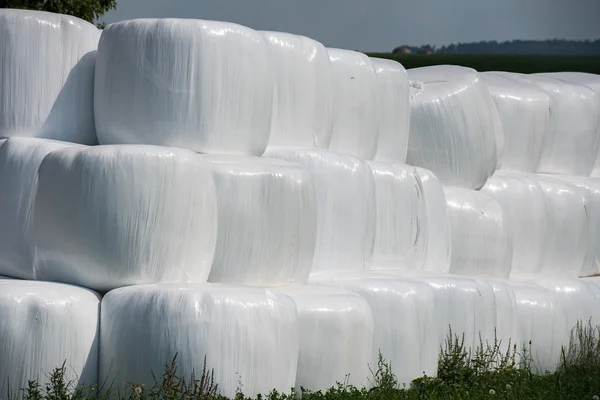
point(267, 221)
point(455, 130)
point(507, 316)
point(43, 326)
point(302, 97)
point(524, 210)
point(355, 94)
point(249, 336)
point(572, 141)
point(405, 319)
point(412, 231)
point(393, 110)
point(480, 238)
point(335, 337)
point(524, 111)
point(111, 216)
point(345, 195)
point(20, 159)
point(47, 66)
point(201, 85)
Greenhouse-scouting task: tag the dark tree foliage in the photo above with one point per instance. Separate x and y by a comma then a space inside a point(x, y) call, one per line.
point(89, 10)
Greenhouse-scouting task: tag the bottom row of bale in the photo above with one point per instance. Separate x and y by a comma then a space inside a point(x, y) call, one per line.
point(260, 339)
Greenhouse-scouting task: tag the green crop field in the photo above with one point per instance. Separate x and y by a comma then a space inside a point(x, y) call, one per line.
point(480, 62)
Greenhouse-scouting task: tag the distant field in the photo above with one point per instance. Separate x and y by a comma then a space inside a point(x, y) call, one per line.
point(523, 64)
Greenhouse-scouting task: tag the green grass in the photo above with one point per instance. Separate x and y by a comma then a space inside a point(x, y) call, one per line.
point(485, 373)
point(480, 62)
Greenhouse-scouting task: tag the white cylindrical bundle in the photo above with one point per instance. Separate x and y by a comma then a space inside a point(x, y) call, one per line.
point(267, 221)
point(524, 211)
point(393, 110)
point(302, 97)
point(335, 337)
point(507, 320)
point(201, 85)
point(355, 93)
point(405, 317)
point(345, 195)
point(111, 216)
point(20, 159)
point(591, 186)
point(480, 238)
point(524, 111)
point(571, 145)
point(591, 81)
point(542, 325)
point(455, 129)
point(44, 325)
point(411, 225)
point(249, 336)
point(47, 66)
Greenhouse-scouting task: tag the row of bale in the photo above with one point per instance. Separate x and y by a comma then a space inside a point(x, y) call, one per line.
point(285, 209)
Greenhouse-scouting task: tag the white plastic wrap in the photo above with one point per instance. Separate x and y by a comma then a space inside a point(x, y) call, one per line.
point(111, 216)
point(455, 130)
point(411, 225)
point(303, 97)
point(335, 337)
point(405, 317)
point(524, 111)
point(47, 66)
point(355, 93)
point(43, 326)
point(480, 238)
point(572, 143)
point(267, 221)
point(201, 85)
point(524, 210)
point(20, 159)
point(507, 317)
point(393, 110)
point(345, 195)
point(248, 335)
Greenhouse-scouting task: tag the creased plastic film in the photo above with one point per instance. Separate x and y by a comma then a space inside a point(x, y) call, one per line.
point(302, 98)
point(47, 66)
point(345, 195)
point(249, 336)
point(20, 159)
point(267, 221)
point(355, 127)
point(201, 85)
point(455, 130)
point(393, 110)
point(111, 216)
point(43, 326)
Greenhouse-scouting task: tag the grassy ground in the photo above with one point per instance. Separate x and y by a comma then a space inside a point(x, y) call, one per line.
point(487, 373)
point(522, 64)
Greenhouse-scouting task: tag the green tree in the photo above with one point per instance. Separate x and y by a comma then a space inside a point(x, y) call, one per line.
point(89, 10)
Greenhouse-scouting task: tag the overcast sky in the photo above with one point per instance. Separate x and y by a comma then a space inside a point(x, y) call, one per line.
point(381, 25)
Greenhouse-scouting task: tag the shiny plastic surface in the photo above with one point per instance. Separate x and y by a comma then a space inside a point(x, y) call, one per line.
point(455, 130)
point(345, 196)
point(355, 93)
point(335, 336)
point(267, 221)
point(43, 325)
point(303, 97)
point(20, 159)
point(524, 111)
point(47, 66)
point(111, 216)
point(248, 335)
point(480, 238)
point(411, 226)
point(202, 85)
point(393, 111)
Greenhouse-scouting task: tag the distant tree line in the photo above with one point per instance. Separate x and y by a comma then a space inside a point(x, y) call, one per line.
point(89, 10)
point(516, 47)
